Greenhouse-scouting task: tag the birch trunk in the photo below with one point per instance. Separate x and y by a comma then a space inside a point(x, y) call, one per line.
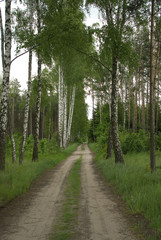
point(135, 105)
point(143, 104)
point(2, 39)
point(109, 145)
point(11, 130)
point(60, 108)
point(65, 118)
point(38, 104)
point(30, 122)
point(26, 115)
point(71, 114)
point(114, 115)
point(129, 119)
point(37, 113)
point(124, 113)
point(5, 84)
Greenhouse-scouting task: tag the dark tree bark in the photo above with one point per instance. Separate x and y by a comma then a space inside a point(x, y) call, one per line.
point(152, 95)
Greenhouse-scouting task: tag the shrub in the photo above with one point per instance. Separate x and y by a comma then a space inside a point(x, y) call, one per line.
point(136, 142)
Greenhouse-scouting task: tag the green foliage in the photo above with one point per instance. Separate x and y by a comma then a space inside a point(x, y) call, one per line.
point(158, 141)
point(134, 181)
point(50, 146)
point(136, 142)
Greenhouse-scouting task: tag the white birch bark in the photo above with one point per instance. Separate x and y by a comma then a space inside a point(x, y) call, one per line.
point(5, 84)
point(2, 39)
point(38, 103)
point(60, 107)
point(65, 118)
point(71, 114)
point(26, 115)
point(11, 131)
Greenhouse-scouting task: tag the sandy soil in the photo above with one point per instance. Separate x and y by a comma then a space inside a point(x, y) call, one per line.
point(31, 216)
point(102, 218)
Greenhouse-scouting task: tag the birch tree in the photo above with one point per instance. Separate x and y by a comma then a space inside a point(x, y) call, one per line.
point(5, 84)
point(26, 115)
point(60, 107)
point(38, 103)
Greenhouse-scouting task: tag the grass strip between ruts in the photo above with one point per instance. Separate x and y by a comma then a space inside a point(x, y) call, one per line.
point(65, 228)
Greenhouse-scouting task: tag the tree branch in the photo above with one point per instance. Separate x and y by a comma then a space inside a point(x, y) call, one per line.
point(90, 56)
point(21, 55)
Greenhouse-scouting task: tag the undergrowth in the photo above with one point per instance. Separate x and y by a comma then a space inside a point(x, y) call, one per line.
point(140, 188)
point(17, 179)
point(67, 222)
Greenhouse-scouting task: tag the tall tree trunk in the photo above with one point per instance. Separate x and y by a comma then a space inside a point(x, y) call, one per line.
point(114, 116)
point(11, 129)
point(71, 110)
point(129, 117)
point(60, 107)
point(157, 113)
point(65, 118)
point(156, 82)
point(93, 128)
point(152, 94)
point(30, 122)
point(26, 114)
point(109, 144)
point(124, 111)
point(2, 39)
point(5, 84)
point(37, 114)
point(135, 105)
point(38, 103)
point(143, 103)
point(147, 107)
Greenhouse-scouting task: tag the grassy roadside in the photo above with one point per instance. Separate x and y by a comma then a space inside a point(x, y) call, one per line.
point(139, 188)
point(17, 179)
point(66, 224)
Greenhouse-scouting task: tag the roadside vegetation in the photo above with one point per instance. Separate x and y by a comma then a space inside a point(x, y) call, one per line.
point(135, 183)
point(17, 179)
point(67, 222)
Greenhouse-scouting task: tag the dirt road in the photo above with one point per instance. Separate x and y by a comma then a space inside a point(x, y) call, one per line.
point(31, 217)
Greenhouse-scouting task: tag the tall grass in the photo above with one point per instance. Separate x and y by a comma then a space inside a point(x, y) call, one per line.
point(138, 186)
point(17, 179)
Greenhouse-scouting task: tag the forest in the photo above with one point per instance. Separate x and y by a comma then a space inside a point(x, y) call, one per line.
point(117, 63)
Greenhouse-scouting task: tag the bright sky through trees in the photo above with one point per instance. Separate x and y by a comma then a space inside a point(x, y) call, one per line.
point(19, 68)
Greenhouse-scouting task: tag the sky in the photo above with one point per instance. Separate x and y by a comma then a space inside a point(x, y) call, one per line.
point(19, 68)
